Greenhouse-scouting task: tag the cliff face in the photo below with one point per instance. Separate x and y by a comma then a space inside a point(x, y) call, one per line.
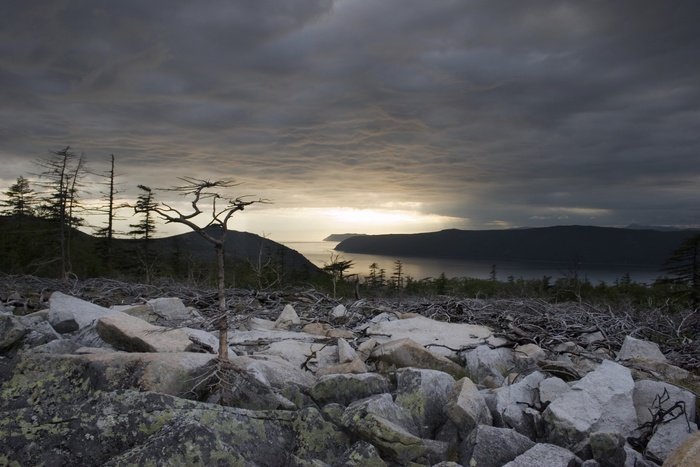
point(562, 244)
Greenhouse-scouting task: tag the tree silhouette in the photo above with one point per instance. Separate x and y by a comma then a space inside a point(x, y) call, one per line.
point(684, 263)
point(221, 210)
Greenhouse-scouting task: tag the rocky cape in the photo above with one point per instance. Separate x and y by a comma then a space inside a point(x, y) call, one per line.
point(566, 245)
point(324, 383)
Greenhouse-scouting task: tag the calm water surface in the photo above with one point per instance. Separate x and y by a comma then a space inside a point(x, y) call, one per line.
point(319, 253)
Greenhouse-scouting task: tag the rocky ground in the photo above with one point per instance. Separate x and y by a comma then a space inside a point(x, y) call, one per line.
point(109, 373)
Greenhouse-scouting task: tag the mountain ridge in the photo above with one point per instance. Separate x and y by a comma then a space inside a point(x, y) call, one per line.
point(557, 244)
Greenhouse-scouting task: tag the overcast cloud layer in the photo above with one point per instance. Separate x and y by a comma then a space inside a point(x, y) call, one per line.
point(494, 113)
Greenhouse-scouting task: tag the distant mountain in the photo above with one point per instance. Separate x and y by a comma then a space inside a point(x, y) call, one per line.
point(662, 228)
point(561, 244)
point(340, 237)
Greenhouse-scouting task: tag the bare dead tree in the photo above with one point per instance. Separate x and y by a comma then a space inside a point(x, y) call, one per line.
point(221, 210)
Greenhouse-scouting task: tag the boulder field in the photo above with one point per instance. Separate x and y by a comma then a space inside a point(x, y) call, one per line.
point(85, 385)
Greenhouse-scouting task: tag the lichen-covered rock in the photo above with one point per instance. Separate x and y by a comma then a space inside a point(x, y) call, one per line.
point(362, 454)
point(387, 426)
point(120, 428)
point(424, 394)
point(346, 388)
point(608, 448)
point(315, 438)
point(466, 406)
point(488, 446)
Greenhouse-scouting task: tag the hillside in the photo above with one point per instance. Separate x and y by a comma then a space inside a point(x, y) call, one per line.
point(561, 244)
point(31, 247)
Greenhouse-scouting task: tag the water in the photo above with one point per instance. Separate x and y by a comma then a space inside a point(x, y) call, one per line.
point(319, 253)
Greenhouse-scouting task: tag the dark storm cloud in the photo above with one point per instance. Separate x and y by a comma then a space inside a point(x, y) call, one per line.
point(502, 113)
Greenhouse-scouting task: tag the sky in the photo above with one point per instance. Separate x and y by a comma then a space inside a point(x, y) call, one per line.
point(368, 116)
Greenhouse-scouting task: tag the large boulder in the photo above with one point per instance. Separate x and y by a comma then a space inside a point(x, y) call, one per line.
point(488, 366)
point(424, 394)
point(466, 407)
point(600, 401)
point(638, 348)
point(134, 428)
point(515, 406)
point(125, 332)
point(346, 388)
point(442, 338)
point(69, 314)
point(404, 353)
point(387, 426)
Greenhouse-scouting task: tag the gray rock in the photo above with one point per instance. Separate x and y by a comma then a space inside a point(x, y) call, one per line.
point(11, 332)
point(488, 367)
point(339, 312)
point(600, 401)
point(551, 388)
point(466, 406)
point(545, 455)
point(69, 314)
point(608, 448)
point(58, 346)
point(488, 446)
point(306, 355)
point(637, 348)
point(287, 318)
point(389, 427)
point(170, 309)
point(649, 396)
point(511, 404)
point(668, 437)
point(438, 336)
point(404, 353)
point(346, 388)
point(424, 394)
point(131, 334)
point(345, 352)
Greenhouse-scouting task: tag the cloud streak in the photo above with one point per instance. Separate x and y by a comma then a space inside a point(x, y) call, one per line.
point(492, 113)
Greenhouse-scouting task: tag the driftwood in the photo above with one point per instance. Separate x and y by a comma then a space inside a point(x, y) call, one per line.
point(520, 321)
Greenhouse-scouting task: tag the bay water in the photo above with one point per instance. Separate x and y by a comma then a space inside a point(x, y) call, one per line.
point(320, 253)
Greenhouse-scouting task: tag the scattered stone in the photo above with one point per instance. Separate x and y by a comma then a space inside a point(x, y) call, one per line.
point(339, 312)
point(69, 314)
point(345, 352)
point(487, 366)
point(355, 366)
point(287, 318)
point(608, 448)
point(364, 350)
point(510, 406)
point(488, 446)
point(11, 332)
point(545, 454)
point(551, 388)
point(637, 348)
